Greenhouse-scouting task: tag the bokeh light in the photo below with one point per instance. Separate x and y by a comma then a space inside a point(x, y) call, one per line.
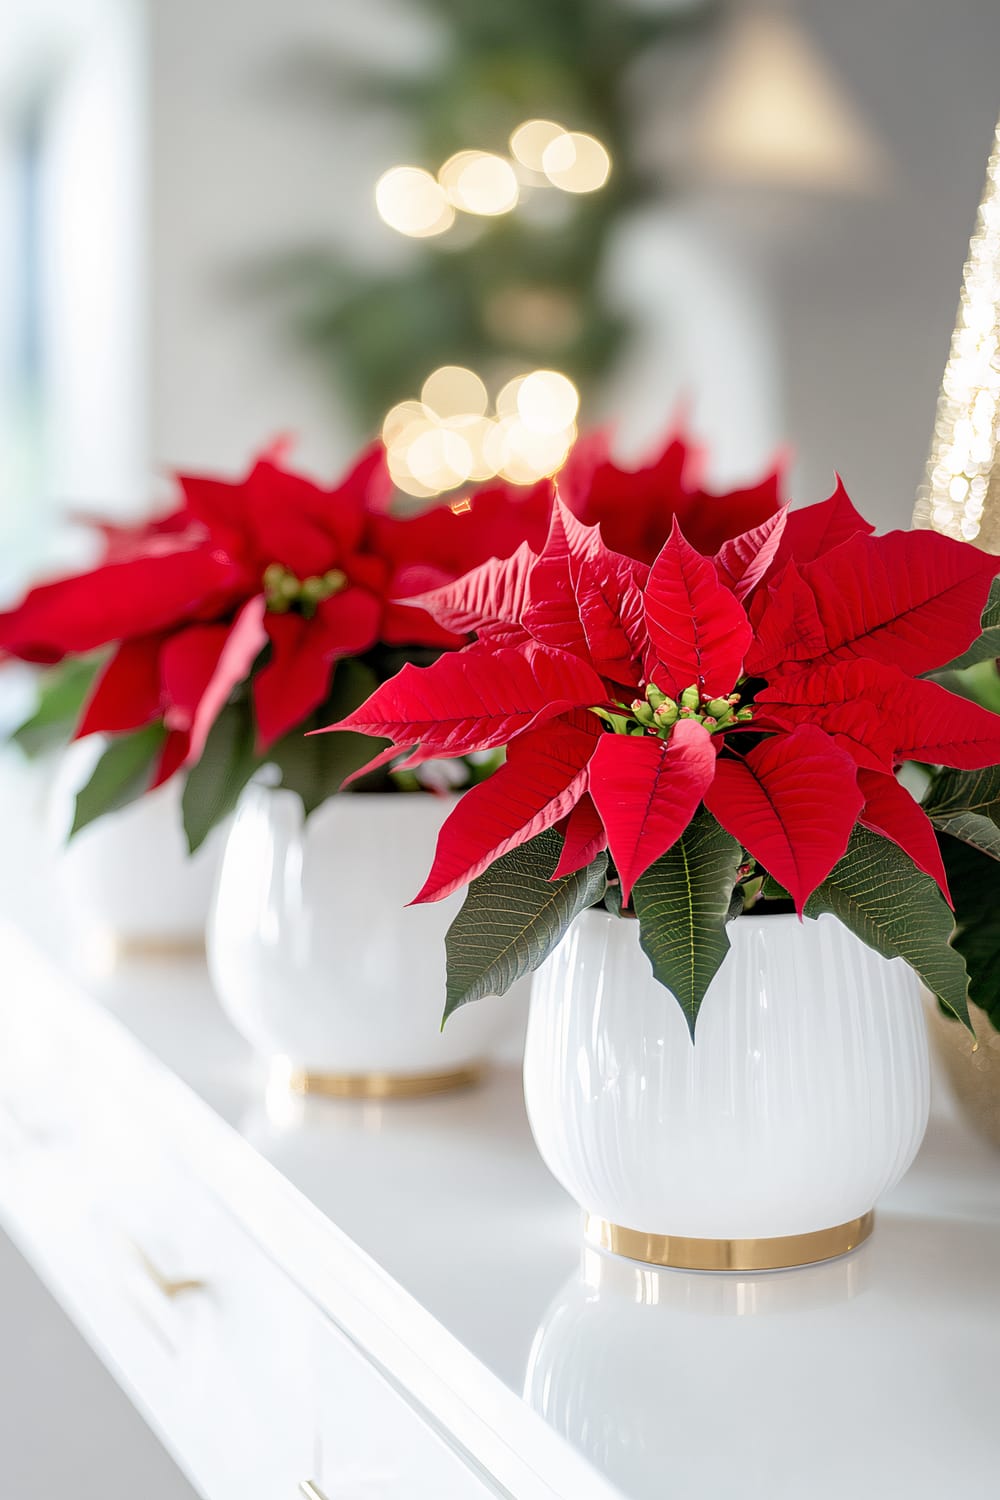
point(454, 391)
point(547, 402)
point(576, 162)
point(413, 203)
point(529, 141)
point(446, 439)
point(479, 182)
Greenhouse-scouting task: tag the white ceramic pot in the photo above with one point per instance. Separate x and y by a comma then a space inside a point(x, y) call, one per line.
point(128, 876)
point(319, 962)
point(766, 1142)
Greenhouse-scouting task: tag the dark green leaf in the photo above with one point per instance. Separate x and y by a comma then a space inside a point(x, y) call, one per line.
point(316, 765)
point(62, 692)
point(121, 775)
point(975, 890)
point(227, 762)
point(877, 891)
point(682, 902)
point(513, 917)
point(987, 645)
point(966, 805)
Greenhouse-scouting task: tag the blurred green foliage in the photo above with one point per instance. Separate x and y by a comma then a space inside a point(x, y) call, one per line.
point(500, 295)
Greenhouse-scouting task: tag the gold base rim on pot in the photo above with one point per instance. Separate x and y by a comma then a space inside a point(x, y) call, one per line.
point(685, 1254)
point(380, 1085)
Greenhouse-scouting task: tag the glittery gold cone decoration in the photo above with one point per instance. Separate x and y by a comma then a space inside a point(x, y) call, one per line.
point(961, 494)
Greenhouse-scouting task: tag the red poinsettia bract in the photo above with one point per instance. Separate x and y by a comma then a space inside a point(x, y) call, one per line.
point(774, 682)
point(189, 601)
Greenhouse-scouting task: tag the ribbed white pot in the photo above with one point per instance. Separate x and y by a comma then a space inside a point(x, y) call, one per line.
point(802, 1101)
point(128, 875)
point(315, 954)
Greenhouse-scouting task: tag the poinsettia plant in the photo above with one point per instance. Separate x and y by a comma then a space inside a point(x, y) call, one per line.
point(209, 640)
point(213, 638)
point(688, 737)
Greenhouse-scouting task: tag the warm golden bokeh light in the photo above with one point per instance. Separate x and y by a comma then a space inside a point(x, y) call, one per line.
point(479, 182)
point(547, 402)
point(410, 201)
point(454, 391)
point(576, 162)
point(446, 439)
point(529, 141)
point(400, 419)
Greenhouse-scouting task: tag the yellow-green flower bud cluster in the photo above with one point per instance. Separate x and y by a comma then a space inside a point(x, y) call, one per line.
point(283, 591)
point(658, 713)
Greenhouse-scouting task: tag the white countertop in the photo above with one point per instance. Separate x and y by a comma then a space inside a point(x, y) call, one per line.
point(870, 1376)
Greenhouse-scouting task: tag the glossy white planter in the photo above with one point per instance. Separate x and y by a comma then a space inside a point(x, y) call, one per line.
point(128, 876)
point(318, 960)
point(765, 1143)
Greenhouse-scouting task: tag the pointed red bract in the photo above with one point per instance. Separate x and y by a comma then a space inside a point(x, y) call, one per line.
point(477, 699)
point(296, 680)
point(792, 803)
point(494, 593)
point(542, 779)
point(890, 810)
point(123, 599)
point(200, 667)
point(745, 561)
point(815, 529)
point(912, 599)
point(647, 791)
point(583, 838)
point(586, 599)
point(886, 713)
point(127, 693)
point(698, 630)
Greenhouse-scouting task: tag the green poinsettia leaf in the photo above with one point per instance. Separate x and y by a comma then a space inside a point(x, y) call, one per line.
point(62, 692)
point(682, 902)
point(975, 891)
point(121, 776)
point(317, 765)
point(987, 645)
point(966, 805)
point(214, 783)
point(513, 916)
point(879, 894)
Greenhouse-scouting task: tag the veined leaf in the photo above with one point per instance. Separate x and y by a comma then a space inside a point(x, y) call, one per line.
point(878, 892)
point(62, 692)
point(122, 774)
point(317, 765)
point(986, 647)
point(214, 783)
point(973, 880)
point(966, 805)
point(513, 917)
point(682, 902)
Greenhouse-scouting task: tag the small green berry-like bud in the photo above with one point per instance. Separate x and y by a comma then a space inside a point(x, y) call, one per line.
point(335, 580)
point(667, 713)
point(690, 698)
point(709, 722)
point(313, 590)
point(288, 588)
point(718, 707)
point(654, 697)
point(643, 712)
point(744, 716)
point(274, 577)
